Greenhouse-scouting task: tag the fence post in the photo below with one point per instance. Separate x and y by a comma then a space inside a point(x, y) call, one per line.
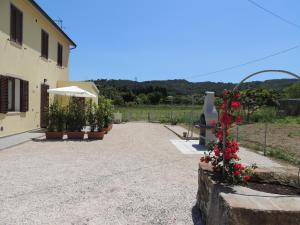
point(148, 116)
point(265, 143)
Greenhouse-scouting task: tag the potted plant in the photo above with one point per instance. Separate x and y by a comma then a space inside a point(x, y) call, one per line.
point(107, 113)
point(95, 121)
point(75, 119)
point(56, 121)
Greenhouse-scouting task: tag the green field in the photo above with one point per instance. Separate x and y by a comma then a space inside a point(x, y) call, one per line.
point(159, 113)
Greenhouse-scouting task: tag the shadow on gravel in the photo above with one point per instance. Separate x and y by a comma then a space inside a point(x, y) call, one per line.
point(63, 140)
point(196, 215)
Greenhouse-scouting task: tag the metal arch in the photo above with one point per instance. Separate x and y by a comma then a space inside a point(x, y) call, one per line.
point(266, 71)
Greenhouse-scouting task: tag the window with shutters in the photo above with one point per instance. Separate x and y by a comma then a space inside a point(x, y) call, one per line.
point(59, 54)
point(13, 95)
point(16, 25)
point(45, 44)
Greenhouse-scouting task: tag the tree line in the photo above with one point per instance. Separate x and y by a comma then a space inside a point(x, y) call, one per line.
point(127, 92)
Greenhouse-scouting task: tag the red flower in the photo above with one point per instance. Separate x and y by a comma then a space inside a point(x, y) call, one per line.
point(235, 105)
point(207, 159)
point(213, 123)
point(226, 118)
point(225, 92)
point(237, 95)
point(237, 167)
point(246, 178)
point(217, 151)
point(234, 146)
point(202, 159)
point(226, 155)
point(238, 119)
point(236, 173)
point(220, 134)
point(235, 156)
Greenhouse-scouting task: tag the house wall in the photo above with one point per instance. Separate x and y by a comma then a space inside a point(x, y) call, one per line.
point(25, 62)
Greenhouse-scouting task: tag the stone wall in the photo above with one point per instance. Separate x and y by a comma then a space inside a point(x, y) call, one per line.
point(236, 205)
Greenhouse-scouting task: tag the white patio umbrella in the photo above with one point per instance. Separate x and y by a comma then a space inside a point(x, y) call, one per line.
point(72, 91)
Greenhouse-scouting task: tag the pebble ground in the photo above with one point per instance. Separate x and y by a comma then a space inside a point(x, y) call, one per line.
point(134, 176)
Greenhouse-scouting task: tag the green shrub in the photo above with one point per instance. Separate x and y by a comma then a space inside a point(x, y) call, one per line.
point(75, 115)
point(91, 116)
point(56, 117)
point(106, 109)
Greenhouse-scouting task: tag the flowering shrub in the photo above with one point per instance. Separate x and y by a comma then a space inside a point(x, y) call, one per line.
point(223, 152)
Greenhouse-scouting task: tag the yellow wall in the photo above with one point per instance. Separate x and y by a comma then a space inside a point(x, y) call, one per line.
point(88, 86)
point(25, 62)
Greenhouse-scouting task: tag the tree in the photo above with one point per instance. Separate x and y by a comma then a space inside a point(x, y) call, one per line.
point(118, 100)
point(128, 96)
point(142, 99)
point(254, 99)
point(293, 91)
point(154, 98)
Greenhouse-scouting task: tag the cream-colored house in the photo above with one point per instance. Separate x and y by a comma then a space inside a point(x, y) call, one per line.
point(34, 56)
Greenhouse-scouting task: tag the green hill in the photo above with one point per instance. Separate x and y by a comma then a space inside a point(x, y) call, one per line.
point(133, 91)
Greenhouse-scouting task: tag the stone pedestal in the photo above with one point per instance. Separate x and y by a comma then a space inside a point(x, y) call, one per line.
point(238, 205)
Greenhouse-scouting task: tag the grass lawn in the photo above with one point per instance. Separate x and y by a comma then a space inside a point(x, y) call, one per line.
point(282, 140)
point(158, 113)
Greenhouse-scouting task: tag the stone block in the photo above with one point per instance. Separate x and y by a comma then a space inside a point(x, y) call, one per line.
point(222, 204)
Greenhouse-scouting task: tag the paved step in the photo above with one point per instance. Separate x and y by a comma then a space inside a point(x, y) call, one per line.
point(13, 140)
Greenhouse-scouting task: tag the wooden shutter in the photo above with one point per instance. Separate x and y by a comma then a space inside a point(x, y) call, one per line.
point(3, 94)
point(16, 25)
point(45, 44)
point(59, 54)
point(13, 17)
point(19, 27)
point(24, 92)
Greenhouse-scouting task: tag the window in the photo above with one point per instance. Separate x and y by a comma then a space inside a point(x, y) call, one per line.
point(13, 95)
point(59, 54)
point(45, 44)
point(16, 25)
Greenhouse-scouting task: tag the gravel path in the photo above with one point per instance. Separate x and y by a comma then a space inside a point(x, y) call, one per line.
point(134, 176)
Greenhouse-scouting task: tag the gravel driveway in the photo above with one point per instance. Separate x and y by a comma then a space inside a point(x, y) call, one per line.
point(134, 176)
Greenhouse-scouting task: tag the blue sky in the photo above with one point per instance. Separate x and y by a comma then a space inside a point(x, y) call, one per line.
point(175, 39)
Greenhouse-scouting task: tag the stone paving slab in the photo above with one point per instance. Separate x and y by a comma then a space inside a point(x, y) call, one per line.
point(13, 140)
point(244, 197)
point(247, 157)
point(189, 146)
point(178, 130)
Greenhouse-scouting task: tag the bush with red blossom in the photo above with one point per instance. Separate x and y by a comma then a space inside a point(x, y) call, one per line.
point(223, 152)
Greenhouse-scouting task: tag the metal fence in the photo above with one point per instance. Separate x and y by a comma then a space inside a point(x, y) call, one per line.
point(280, 141)
point(162, 117)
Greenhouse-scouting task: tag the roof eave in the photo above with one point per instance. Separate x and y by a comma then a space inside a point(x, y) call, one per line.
point(52, 22)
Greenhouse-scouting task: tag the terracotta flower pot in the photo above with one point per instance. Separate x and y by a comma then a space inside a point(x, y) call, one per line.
point(96, 135)
point(54, 135)
point(105, 130)
point(75, 134)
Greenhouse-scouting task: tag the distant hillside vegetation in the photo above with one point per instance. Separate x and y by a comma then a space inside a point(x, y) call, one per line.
point(154, 92)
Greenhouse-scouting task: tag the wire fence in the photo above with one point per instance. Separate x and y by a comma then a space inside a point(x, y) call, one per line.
point(161, 117)
point(280, 141)
point(160, 113)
